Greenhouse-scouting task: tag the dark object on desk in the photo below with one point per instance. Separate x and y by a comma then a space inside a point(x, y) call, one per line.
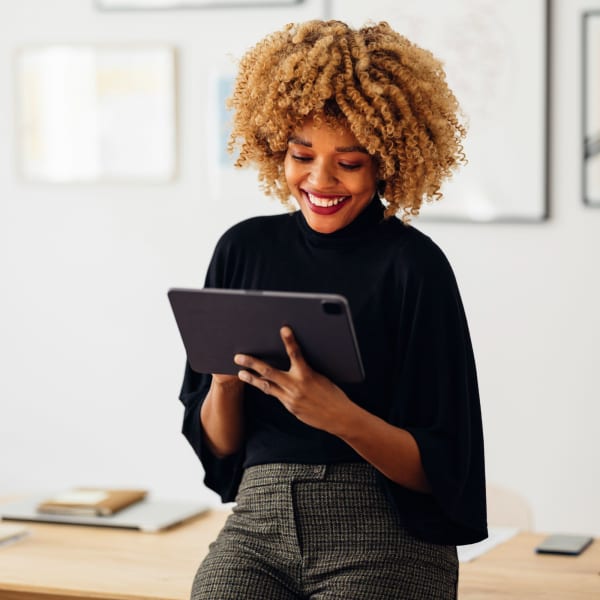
point(216, 324)
point(571, 545)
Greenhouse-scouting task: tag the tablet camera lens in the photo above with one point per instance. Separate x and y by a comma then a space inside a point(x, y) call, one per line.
point(332, 308)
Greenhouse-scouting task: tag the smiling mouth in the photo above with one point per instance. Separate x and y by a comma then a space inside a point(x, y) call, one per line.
point(325, 201)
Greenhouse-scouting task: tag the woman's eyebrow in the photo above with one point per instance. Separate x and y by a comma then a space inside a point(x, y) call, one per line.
point(351, 149)
point(302, 142)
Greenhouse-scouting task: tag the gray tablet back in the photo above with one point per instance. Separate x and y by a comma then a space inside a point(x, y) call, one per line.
point(216, 324)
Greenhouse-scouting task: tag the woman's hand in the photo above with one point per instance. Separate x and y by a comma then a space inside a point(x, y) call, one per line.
point(311, 397)
point(318, 402)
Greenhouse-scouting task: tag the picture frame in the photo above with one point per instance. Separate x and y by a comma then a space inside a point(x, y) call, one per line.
point(91, 113)
point(591, 108)
point(190, 4)
point(239, 185)
point(495, 55)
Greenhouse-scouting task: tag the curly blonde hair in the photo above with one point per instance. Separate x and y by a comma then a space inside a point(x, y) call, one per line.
point(391, 94)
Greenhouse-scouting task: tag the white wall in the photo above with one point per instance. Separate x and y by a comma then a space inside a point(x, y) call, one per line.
point(90, 358)
point(532, 294)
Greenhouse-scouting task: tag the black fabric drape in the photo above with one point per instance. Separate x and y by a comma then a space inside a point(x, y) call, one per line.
point(416, 349)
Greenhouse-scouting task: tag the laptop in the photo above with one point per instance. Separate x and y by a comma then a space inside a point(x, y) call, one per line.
point(148, 515)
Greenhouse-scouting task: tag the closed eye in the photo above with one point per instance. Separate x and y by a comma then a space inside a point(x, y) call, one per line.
point(343, 165)
point(301, 158)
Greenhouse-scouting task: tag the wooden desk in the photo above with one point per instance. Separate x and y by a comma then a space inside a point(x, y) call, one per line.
point(513, 570)
point(65, 562)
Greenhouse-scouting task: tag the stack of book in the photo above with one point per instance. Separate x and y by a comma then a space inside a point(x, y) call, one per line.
point(91, 501)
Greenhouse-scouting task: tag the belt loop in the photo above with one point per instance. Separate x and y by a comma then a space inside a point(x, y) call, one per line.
point(321, 471)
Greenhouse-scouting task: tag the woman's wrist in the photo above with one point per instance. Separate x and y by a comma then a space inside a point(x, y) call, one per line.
point(226, 382)
point(221, 415)
point(225, 388)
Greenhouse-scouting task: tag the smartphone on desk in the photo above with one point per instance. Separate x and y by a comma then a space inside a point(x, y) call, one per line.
point(571, 545)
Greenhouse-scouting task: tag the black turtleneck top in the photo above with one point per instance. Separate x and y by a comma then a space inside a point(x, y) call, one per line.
point(416, 351)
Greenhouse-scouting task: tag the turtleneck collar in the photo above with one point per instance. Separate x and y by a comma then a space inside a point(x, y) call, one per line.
point(364, 224)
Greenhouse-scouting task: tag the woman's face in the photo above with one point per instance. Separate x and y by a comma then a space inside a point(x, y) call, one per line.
point(330, 175)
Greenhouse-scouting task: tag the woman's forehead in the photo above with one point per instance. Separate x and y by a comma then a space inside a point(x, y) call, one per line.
point(336, 132)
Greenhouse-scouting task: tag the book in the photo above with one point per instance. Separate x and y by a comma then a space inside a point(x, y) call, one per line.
point(11, 533)
point(91, 501)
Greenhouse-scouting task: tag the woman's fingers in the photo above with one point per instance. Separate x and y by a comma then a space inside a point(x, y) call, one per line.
point(267, 378)
point(255, 364)
point(263, 384)
point(291, 347)
point(257, 372)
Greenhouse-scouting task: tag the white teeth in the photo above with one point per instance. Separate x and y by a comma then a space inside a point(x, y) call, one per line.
point(325, 202)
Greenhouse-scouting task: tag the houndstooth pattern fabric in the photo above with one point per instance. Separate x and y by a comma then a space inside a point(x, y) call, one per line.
point(320, 532)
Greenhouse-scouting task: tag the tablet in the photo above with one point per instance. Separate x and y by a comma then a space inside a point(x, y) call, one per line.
point(216, 324)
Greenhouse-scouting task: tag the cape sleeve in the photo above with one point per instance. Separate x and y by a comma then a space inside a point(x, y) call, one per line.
point(436, 398)
point(221, 475)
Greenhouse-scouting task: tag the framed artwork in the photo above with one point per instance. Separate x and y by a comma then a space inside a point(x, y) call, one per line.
point(174, 4)
point(495, 55)
point(591, 108)
point(239, 186)
point(97, 113)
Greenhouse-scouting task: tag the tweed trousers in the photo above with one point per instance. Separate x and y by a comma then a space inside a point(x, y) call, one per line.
point(320, 532)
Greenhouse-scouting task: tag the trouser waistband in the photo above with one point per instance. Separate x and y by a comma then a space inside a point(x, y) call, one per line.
point(274, 473)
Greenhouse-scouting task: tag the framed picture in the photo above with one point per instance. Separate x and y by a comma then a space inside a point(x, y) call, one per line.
point(496, 60)
point(174, 4)
point(97, 113)
point(591, 108)
point(238, 186)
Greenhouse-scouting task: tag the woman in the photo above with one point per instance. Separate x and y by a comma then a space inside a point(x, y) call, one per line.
point(344, 491)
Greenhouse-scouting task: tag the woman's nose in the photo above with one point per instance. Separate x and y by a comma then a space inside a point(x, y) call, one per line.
point(322, 174)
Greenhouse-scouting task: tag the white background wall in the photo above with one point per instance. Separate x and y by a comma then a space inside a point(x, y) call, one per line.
point(90, 359)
